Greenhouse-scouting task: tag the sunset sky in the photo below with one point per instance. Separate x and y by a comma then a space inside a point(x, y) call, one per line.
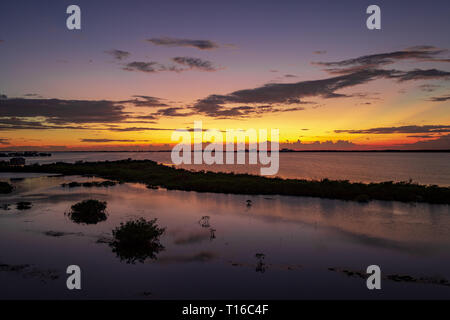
point(137, 70)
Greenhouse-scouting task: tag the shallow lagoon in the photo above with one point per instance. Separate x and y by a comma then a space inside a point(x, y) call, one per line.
point(300, 237)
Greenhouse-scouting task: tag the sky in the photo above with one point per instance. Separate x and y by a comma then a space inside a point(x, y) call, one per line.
point(137, 70)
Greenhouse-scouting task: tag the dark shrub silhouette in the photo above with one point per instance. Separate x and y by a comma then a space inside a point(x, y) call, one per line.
point(23, 205)
point(88, 212)
point(5, 187)
point(137, 240)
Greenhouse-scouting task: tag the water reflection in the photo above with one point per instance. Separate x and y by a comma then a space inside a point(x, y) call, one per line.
point(260, 264)
point(212, 234)
point(191, 261)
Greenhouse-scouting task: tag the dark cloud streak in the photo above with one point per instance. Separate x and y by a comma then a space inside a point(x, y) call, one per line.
point(177, 42)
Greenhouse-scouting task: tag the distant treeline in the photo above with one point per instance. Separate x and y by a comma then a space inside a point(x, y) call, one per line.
point(25, 154)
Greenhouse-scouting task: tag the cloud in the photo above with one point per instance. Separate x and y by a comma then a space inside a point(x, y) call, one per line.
point(179, 42)
point(318, 145)
point(287, 93)
point(290, 76)
point(418, 53)
point(173, 112)
point(111, 140)
point(440, 99)
point(4, 141)
point(32, 95)
point(118, 54)
point(401, 129)
point(347, 73)
point(441, 143)
point(129, 129)
point(148, 67)
point(422, 136)
point(56, 111)
point(195, 63)
point(419, 74)
point(188, 63)
point(145, 101)
point(320, 52)
point(428, 87)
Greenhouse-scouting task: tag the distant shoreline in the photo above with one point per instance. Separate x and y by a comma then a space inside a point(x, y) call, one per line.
point(281, 151)
point(156, 175)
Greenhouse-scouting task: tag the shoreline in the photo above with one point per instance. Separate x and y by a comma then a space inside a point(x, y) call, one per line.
point(156, 175)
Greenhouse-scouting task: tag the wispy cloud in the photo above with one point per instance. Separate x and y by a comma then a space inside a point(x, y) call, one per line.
point(428, 87)
point(111, 140)
point(145, 101)
point(148, 67)
point(57, 111)
point(401, 129)
point(118, 54)
point(183, 64)
point(347, 73)
point(418, 53)
point(183, 42)
point(195, 63)
point(440, 99)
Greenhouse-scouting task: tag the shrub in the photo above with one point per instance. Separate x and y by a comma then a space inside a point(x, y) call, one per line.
point(5, 187)
point(88, 211)
point(23, 205)
point(137, 240)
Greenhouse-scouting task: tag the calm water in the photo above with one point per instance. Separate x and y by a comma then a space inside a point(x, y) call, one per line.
point(425, 168)
point(300, 237)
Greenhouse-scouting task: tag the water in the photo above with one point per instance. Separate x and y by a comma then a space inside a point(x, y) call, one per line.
point(424, 168)
point(300, 237)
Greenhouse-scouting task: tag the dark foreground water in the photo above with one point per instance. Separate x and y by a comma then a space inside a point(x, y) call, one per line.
point(300, 237)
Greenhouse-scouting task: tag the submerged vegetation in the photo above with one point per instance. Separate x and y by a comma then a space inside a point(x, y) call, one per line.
point(157, 175)
point(137, 240)
point(5, 187)
point(88, 212)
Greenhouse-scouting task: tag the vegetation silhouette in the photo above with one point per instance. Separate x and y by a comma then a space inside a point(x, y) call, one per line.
point(89, 184)
point(260, 264)
point(23, 205)
point(137, 240)
point(172, 178)
point(204, 222)
point(5, 187)
point(88, 212)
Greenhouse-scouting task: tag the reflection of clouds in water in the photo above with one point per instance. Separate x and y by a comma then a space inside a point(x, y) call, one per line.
point(203, 256)
point(191, 237)
point(29, 271)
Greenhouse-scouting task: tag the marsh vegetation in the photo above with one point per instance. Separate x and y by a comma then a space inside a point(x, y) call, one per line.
point(157, 175)
point(88, 212)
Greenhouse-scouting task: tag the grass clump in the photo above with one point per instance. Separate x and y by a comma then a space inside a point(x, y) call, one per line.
point(5, 187)
point(137, 240)
point(88, 212)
